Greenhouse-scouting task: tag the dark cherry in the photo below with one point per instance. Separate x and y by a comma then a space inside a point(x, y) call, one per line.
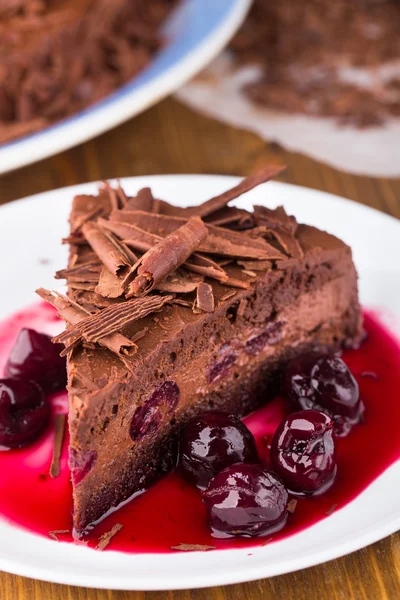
point(246, 500)
point(325, 383)
point(34, 356)
point(212, 442)
point(81, 463)
point(220, 367)
point(303, 452)
point(147, 417)
point(24, 412)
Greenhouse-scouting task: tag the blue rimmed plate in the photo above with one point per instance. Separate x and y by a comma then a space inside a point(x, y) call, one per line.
point(197, 32)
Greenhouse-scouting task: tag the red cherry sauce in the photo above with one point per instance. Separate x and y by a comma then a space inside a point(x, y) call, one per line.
point(171, 512)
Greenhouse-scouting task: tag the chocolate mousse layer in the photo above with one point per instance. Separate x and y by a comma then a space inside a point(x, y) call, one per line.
point(174, 311)
point(59, 56)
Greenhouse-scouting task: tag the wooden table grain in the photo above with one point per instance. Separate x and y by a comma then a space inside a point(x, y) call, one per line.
point(169, 138)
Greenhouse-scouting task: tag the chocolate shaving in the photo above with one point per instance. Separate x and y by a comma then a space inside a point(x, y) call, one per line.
point(203, 265)
point(108, 249)
point(242, 307)
point(204, 301)
point(139, 334)
point(220, 241)
point(292, 504)
point(232, 243)
point(178, 285)
point(59, 430)
point(249, 273)
point(82, 219)
point(244, 186)
point(106, 538)
point(193, 548)
point(166, 256)
point(255, 265)
point(275, 218)
point(267, 541)
point(109, 285)
point(230, 215)
point(144, 200)
point(238, 283)
point(74, 315)
point(105, 324)
point(75, 285)
point(227, 296)
point(331, 510)
point(288, 242)
point(122, 197)
point(133, 236)
point(112, 195)
point(181, 302)
point(81, 273)
point(56, 532)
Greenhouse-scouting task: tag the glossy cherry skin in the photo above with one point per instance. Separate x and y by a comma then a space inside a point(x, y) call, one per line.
point(325, 383)
point(303, 452)
point(210, 443)
point(34, 356)
point(24, 412)
point(246, 500)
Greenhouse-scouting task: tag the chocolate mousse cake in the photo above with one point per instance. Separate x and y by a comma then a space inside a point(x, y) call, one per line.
point(59, 56)
point(173, 311)
point(334, 59)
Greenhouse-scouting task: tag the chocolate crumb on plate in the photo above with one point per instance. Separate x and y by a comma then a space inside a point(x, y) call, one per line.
point(193, 548)
point(59, 431)
point(106, 538)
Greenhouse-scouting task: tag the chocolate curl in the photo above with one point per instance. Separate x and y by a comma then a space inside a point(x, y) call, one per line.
point(108, 249)
point(82, 219)
point(179, 284)
point(107, 322)
point(83, 273)
point(144, 200)
point(203, 265)
point(288, 242)
point(166, 256)
point(276, 218)
point(244, 186)
point(112, 195)
point(232, 216)
point(255, 265)
point(133, 236)
point(74, 314)
point(109, 285)
point(204, 298)
point(281, 226)
point(220, 241)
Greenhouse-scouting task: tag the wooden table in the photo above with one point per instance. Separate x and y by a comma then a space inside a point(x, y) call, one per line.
point(170, 138)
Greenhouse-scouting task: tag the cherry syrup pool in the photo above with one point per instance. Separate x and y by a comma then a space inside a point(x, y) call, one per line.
point(171, 512)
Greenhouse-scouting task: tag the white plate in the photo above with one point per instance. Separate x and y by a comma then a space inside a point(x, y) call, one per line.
point(197, 31)
point(42, 221)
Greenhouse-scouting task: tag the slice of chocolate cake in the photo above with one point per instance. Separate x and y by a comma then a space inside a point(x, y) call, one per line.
point(172, 311)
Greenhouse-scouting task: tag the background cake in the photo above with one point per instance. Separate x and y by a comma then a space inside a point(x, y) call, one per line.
point(59, 56)
point(325, 58)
